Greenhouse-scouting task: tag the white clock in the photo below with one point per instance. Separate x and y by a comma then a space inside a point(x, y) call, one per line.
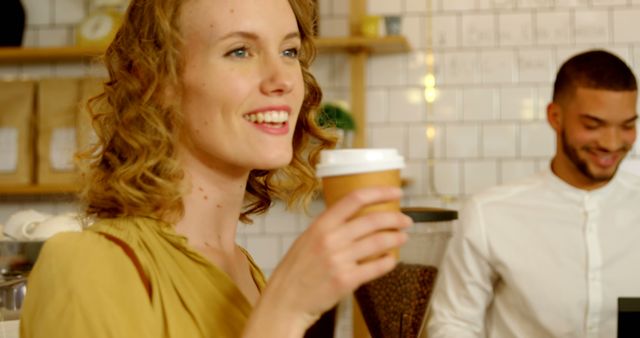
point(99, 28)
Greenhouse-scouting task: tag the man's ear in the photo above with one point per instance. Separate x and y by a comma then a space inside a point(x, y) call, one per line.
point(554, 116)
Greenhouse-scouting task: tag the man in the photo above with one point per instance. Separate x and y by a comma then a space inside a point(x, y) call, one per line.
point(549, 256)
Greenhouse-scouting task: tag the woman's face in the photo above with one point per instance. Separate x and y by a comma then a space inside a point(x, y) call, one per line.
point(242, 85)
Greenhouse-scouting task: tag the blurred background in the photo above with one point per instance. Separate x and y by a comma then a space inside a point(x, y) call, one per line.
point(460, 90)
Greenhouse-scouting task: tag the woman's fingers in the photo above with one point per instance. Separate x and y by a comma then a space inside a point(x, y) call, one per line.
point(352, 277)
point(340, 238)
point(339, 252)
point(374, 268)
point(373, 222)
point(344, 209)
point(374, 245)
point(365, 225)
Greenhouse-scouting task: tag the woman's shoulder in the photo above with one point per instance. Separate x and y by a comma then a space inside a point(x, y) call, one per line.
point(74, 253)
point(87, 277)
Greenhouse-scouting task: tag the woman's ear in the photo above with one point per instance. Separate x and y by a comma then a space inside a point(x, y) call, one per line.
point(554, 116)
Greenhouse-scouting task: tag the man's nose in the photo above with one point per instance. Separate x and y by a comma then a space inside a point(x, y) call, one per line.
point(612, 139)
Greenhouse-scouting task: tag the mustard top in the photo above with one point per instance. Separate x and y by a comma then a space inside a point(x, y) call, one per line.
point(85, 285)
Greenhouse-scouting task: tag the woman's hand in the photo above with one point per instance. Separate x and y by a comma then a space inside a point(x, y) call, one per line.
point(335, 255)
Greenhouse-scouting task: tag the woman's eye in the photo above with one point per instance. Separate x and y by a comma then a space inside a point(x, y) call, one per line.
point(241, 52)
point(291, 53)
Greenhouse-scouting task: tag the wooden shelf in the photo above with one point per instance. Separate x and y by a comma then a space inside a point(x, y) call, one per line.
point(26, 190)
point(47, 54)
point(353, 44)
point(386, 44)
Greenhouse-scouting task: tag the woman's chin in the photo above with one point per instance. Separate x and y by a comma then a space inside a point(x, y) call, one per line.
point(274, 162)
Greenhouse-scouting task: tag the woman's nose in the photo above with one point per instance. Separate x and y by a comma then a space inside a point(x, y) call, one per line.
point(278, 76)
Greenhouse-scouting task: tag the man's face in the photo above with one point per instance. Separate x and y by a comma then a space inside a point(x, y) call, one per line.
point(596, 128)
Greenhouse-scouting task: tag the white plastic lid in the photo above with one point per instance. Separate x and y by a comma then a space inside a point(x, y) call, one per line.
point(354, 161)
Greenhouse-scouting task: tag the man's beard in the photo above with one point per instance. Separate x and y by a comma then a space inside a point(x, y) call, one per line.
point(582, 165)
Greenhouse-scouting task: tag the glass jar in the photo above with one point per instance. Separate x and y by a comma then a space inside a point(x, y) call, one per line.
point(396, 304)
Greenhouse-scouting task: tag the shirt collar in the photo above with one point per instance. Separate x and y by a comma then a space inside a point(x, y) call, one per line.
point(573, 193)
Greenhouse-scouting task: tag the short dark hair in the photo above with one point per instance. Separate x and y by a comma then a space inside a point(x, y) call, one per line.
point(594, 69)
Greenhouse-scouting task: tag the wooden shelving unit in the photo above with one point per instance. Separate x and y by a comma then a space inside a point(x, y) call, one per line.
point(30, 190)
point(356, 44)
point(381, 45)
point(47, 54)
point(357, 47)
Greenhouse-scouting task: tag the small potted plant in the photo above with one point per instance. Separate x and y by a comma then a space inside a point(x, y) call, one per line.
point(336, 116)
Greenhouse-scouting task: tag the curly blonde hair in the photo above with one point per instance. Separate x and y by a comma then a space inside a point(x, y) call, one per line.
point(133, 170)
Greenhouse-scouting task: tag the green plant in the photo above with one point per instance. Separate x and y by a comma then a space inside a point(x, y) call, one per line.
point(334, 115)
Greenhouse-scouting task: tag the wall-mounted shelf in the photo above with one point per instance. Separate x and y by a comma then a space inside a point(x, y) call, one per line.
point(358, 47)
point(385, 44)
point(354, 44)
point(27, 190)
point(47, 54)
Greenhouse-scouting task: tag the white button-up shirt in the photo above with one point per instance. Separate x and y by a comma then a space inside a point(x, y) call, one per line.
point(540, 259)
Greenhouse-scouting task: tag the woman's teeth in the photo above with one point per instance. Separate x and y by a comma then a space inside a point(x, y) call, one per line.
point(275, 117)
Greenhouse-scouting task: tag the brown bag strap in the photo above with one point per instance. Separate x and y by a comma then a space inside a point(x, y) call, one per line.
point(134, 259)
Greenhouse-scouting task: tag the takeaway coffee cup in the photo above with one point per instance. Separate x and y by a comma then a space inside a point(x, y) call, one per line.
point(345, 170)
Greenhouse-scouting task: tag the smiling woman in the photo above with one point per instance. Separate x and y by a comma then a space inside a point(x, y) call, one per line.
point(209, 105)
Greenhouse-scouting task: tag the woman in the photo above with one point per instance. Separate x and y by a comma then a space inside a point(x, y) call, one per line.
point(206, 99)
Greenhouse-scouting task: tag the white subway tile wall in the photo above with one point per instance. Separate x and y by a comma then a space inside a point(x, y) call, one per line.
point(479, 175)
point(416, 173)
point(462, 141)
point(553, 27)
point(478, 104)
point(407, 105)
point(387, 70)
point(68, 11)
point(378, 109)
point(383, 7)
point(339, 7)
point(444, 30)
point(54, 37)
point(416, 68)
point(515, 29)
point(417, 148)
point(498, 66)
point(413, 28)
point(388, 136)
point(513, 170)
point(493, 61)
point(499, 140)
point(448, 178)
point(338, 26)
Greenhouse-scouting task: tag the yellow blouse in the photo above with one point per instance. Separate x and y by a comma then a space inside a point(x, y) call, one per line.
point(84, 285)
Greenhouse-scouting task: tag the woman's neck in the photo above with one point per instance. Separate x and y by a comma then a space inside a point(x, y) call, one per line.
point(212, 206)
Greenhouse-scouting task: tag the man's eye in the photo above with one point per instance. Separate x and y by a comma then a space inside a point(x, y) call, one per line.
point(291, 53)
point(241, 52)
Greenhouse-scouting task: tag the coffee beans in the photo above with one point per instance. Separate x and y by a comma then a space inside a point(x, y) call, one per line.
point(394, 305)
